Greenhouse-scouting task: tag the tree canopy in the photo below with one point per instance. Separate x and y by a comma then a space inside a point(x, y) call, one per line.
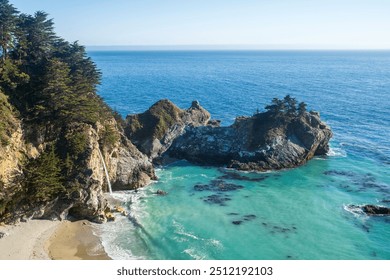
point(46, 77)
point(50, 84)
point(286, 107)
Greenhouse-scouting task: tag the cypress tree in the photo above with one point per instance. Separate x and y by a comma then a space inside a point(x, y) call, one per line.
point(43, 180)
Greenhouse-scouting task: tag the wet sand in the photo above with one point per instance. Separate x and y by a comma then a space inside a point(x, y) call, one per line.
point(75, 241)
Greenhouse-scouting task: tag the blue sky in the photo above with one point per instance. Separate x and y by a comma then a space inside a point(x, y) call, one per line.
point(323, 24)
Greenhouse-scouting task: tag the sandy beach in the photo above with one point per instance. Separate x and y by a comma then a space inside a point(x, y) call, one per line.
point(44, 240)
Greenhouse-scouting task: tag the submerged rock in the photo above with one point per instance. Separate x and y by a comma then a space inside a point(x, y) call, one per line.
point(161, 192)
point(249, 217)
point(217, 199)
point(218, 186)
point(231, 175)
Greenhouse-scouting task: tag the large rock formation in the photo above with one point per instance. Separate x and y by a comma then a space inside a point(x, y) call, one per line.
point(262, 142)
point(154, 130)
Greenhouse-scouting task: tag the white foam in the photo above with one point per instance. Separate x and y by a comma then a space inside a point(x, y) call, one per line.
point(108, 235)
point(193, 254)
point(181, 231)
point(109, 231)
point(336, 152)
point(215, 243)
point(357, 211)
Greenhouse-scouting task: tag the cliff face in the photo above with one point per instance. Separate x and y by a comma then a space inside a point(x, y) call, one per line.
point(261, 142)
point(85, 181)
point(154, 130)
point(127, 167)
point(12, 151)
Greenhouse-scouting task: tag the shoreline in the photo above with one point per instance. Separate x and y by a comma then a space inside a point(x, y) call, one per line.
point(51, 240)
point(75, 241)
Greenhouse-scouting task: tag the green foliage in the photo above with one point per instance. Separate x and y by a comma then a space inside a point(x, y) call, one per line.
point(109, 136)
point(153, 123)
point(47, 78)
point(77, 143)
point(8, 20)
point(11, 76)
point(44, 181)
point(286, 107)
point(302, 107)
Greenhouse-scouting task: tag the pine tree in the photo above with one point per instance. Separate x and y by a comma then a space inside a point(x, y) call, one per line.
point(8, 20)
point(302, 108)
point(43, 177)
point(291, 105)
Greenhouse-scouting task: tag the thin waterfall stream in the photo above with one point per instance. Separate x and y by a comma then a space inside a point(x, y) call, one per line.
point(105, 170)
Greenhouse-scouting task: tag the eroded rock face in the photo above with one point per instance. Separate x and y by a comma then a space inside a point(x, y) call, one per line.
point(261, 142)
point(128, 169)
point(154, 130)
point(85, 185)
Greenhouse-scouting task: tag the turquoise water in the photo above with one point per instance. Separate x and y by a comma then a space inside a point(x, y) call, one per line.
point(288, 214)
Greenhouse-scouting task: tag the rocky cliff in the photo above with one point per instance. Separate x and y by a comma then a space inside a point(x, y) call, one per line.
point(154, 130)
point(80, 168)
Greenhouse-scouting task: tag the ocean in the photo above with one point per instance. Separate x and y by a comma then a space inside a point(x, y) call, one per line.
point(299, 213)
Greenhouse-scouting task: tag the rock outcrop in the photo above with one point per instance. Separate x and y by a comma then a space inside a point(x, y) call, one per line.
point(370, 210)
point(154, 130)
point(261, 142)
point(375, 210)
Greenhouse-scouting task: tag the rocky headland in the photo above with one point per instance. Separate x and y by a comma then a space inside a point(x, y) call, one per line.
point(265, 141)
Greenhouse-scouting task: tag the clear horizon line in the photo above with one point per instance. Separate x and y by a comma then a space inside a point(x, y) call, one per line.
point(238, 47)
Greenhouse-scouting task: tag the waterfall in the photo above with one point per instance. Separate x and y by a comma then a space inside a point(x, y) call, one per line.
point(105, 170)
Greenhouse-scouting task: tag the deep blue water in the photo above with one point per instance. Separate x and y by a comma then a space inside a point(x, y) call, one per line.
point(352, 92)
